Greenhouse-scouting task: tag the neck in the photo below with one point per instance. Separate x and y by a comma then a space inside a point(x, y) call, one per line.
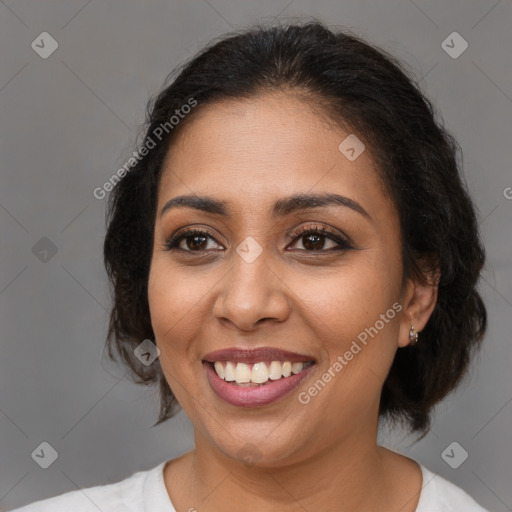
point(354, 475)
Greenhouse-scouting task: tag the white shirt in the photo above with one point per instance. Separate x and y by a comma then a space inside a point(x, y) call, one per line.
point(145, 491)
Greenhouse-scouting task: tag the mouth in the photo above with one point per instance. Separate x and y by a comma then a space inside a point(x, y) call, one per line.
point(255, 377)
point(257, 374)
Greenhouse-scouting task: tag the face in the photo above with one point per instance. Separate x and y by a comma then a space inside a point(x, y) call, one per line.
point(320, 281)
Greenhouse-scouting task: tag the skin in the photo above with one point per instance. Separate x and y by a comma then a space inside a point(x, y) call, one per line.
point(319, 456)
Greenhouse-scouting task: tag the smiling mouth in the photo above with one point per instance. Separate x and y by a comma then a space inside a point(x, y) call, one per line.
point(257, 374)
point(269, 387)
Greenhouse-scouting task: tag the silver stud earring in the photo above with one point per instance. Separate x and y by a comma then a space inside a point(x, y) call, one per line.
point(413, 335)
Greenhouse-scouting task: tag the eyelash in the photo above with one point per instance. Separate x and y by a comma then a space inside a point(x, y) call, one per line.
point(343, 243)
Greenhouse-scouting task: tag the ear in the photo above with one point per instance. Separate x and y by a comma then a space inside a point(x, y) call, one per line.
point(418, 301)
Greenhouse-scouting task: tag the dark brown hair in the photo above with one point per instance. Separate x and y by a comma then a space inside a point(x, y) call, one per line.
point(368, 90)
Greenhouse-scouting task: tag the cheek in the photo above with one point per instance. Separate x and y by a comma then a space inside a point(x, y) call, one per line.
point(345, 311)
point(170, 304)
point(349, 299)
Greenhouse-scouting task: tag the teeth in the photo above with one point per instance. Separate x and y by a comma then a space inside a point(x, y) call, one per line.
point(260, 372)
point(275, 370)
point(242, 373)
point(297, 367)
point(220, 369)
point(229, 372)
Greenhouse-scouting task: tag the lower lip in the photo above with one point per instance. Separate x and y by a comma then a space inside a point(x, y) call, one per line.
point(253, 396)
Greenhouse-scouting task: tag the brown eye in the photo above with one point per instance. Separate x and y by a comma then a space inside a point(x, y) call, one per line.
point(194, 241)
point(317, 238)
point(315, 242)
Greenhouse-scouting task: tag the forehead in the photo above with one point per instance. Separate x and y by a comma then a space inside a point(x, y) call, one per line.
point(253, 151)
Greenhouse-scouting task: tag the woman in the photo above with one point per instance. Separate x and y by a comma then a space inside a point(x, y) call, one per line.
point(295, 236)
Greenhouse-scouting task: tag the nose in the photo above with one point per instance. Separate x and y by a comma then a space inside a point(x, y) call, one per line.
point(252, 293)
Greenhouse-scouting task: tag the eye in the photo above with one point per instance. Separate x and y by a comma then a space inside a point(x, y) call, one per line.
point(313, 238)
point(195, 240)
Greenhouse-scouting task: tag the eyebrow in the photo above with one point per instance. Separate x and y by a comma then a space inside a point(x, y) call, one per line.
point(282, 207)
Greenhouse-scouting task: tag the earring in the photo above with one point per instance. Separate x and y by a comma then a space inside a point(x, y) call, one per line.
point(413, 335)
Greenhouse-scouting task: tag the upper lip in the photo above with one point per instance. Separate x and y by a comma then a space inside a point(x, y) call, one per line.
point(255, 355)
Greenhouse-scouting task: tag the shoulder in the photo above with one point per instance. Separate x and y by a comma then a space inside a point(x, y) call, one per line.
point(122, 496)
point(440, 495)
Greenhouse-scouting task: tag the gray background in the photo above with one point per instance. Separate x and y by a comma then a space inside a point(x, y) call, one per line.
point(69, 121)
